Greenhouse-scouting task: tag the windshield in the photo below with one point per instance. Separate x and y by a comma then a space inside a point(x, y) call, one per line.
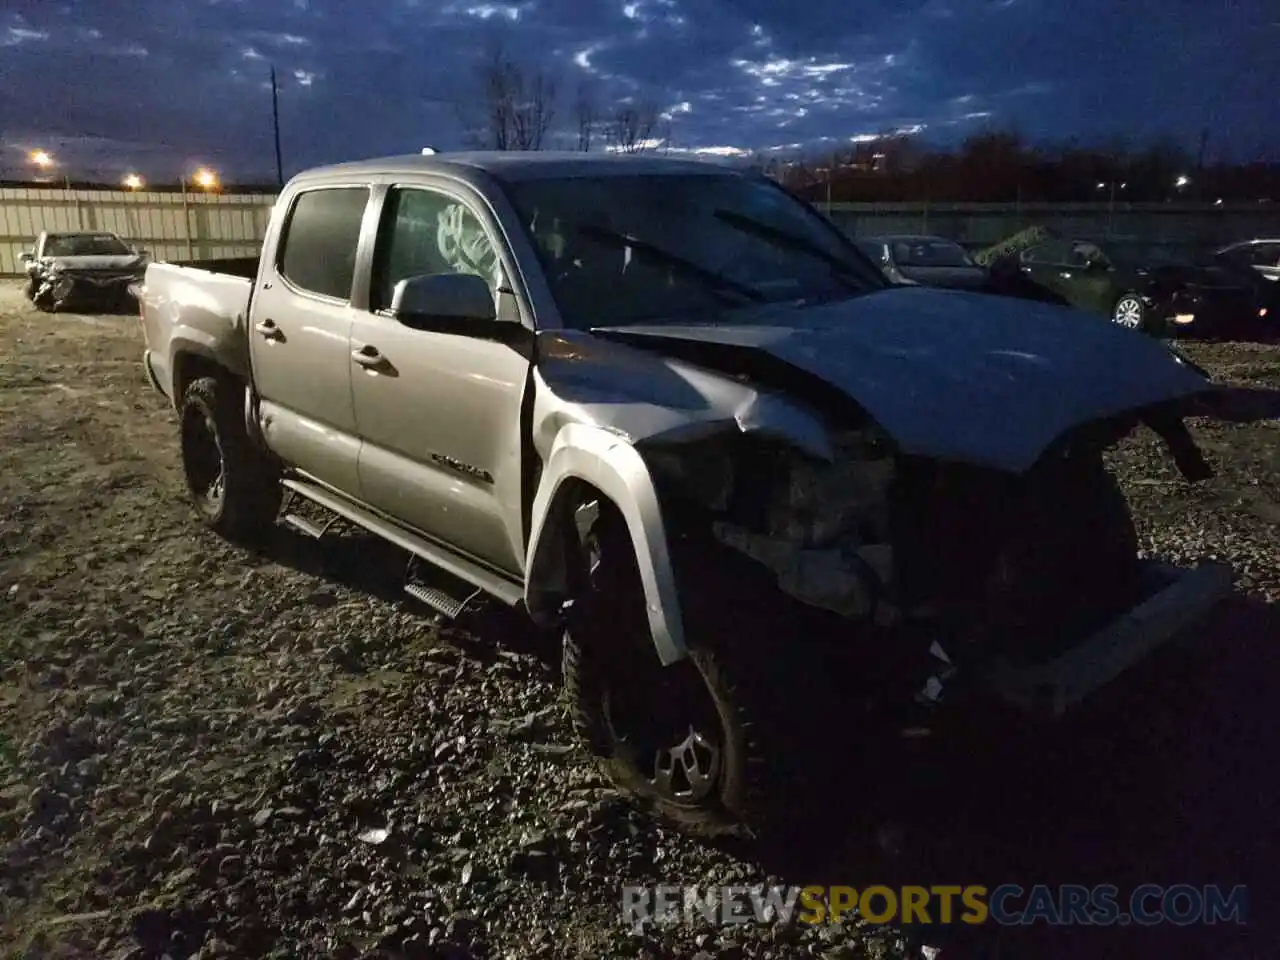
point(85, 245)
point(930, 253)
point(643, 248)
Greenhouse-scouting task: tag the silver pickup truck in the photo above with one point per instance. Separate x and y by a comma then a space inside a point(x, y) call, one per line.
point(675, 415)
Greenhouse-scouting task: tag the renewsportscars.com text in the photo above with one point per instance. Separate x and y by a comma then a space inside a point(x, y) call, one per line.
point(1007, 905)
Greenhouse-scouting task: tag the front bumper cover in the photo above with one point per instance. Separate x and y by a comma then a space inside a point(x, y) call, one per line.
point(1180, 600)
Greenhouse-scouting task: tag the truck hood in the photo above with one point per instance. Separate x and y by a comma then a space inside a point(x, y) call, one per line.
point(948, 374)
point(124, 261)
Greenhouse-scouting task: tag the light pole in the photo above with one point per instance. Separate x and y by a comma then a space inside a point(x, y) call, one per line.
point(827, 172)
point(43, 161)
point(207, 180)
point(1110, 186)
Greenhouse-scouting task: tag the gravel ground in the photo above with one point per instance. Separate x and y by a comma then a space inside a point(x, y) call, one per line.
point(208, 752)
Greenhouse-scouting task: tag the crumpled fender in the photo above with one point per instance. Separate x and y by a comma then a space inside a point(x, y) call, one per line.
point(610, 463)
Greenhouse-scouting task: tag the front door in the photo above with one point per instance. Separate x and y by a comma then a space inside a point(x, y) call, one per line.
point(300, 331)
point(1047, 265)
point(440, 414)
point(1090, 274)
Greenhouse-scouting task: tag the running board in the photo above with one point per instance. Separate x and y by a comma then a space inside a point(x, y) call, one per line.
point(303, 526)
point(508, 591)
point(437, 599)
point(438, 596)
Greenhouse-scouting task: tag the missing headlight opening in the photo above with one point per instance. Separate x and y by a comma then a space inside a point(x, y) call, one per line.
point(822, 528)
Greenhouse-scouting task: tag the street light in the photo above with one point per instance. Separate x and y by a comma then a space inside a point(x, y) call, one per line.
point(1111, 200)
point(133, 182)
point(1182, 181)
point(41, 159)
point(205, 178)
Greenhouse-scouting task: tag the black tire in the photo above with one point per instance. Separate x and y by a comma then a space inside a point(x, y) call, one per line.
point(612, 675)
point(234, 485)
point(45, 303)
point(1130, 312)
point(29, 288)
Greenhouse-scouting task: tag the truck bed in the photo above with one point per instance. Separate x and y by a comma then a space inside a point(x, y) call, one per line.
point(197, 309)
point(246, 267)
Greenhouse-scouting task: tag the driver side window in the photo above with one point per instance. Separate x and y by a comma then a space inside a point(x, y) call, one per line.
point(425, 231)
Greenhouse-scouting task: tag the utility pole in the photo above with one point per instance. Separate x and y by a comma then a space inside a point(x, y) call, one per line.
point(275, 123)
point(1200, 158)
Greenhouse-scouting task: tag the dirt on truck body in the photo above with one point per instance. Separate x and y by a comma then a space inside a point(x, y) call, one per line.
point(617, 393)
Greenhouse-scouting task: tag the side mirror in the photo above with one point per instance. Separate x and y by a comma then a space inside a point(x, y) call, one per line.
point(25, 256)
point(416, 301)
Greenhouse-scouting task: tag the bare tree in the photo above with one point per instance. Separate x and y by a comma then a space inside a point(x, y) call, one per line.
point(584, 111)
point(517, 103)
point(631, 128)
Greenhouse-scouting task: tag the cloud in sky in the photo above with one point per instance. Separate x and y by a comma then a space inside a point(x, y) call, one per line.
point(161, 85)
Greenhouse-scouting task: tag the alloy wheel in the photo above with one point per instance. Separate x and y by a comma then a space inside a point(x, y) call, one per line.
point(1128, 313)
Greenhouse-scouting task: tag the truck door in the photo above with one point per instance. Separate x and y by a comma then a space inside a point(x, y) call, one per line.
point(300, 331)
point(439, 413)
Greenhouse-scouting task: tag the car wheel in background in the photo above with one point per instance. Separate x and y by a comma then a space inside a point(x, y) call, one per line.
point(234, 485)
point(1130, 312)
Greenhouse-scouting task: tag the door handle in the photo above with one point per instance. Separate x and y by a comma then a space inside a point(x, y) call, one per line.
point(368, 356)
point(268, 329)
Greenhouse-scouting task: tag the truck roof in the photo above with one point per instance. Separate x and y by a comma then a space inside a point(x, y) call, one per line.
point(520, 165)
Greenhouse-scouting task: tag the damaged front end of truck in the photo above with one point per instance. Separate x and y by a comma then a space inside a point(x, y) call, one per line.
point(1028, 586)
point(842, 508)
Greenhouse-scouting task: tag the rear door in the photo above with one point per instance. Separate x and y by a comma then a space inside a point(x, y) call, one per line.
point(440, 413)
point(1266, 260)
point(300, 331)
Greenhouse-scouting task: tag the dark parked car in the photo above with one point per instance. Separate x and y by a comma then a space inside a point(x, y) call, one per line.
point(1260, 256)
point(928, 261)
point(1147, 286)
point(1256, 262)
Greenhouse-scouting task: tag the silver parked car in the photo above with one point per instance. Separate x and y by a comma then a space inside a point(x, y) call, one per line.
point(928, 261)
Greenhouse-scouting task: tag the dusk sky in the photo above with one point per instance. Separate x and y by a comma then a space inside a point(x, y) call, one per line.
point(161, 85)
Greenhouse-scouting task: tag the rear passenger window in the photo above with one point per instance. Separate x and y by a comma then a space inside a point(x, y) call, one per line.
point(318, 251)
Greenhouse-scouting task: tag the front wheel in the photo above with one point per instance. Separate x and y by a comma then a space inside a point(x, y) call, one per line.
point(234, 486)
point(1130, 312)
point(680, 737)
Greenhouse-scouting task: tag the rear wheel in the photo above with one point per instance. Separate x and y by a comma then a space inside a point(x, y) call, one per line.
point(680, 737)
point(1130, 312)
point(235, 486)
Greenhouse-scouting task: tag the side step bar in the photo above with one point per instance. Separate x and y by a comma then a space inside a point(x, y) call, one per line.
point(304, 526)
point(508, 591)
